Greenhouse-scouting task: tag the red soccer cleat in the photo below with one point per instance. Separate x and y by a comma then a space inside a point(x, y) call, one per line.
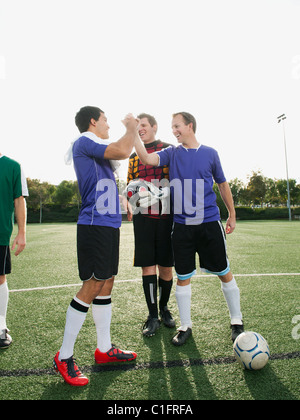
point(70, 371)
point(114, 355)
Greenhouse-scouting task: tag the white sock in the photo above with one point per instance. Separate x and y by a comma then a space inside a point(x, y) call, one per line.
point(102, 310)
point(4, 293)
point(75, 318)
point(183, 296)
point(232, 295)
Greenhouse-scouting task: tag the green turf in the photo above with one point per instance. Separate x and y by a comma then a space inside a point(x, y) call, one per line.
point(201, 369)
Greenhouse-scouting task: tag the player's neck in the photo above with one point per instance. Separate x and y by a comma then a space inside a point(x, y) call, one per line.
point(152, 140)
point(191, 143)
point(94, 131)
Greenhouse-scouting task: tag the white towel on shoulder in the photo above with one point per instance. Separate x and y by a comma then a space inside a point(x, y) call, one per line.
point(115, 164)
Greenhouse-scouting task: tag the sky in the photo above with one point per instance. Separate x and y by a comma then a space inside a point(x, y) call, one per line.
point(233, 64)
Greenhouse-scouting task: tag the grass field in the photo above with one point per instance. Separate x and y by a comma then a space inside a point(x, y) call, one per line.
point(265, 259)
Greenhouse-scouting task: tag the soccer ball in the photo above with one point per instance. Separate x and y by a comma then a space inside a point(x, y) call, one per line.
point(251, 350)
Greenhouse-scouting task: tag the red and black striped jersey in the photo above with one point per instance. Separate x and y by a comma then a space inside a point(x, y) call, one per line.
point(136, 169)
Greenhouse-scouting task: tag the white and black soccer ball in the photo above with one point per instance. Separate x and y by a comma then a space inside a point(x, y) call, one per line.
point(251, 350)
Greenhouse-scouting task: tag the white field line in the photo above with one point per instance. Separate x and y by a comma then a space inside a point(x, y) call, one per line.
point(59, 286)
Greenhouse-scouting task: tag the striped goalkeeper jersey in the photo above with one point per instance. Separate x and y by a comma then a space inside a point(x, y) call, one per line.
point(136, 169)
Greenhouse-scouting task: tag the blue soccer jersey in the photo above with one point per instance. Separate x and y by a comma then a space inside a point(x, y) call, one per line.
point(192, 175)
point(97, 185)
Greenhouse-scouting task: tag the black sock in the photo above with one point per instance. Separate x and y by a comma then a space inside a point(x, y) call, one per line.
point(165, 288)
point(150, 291)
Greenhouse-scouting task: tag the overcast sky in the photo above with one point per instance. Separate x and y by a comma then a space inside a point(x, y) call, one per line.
point(233, 64)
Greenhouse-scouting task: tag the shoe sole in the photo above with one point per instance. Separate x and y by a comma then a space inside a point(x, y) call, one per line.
point(114, 361)
point(6, 347)
point(177, 344)
point(150, 334)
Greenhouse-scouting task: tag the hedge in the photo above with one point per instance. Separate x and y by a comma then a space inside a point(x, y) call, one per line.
point(53, 214)
point(58, 214)
point(266, 213)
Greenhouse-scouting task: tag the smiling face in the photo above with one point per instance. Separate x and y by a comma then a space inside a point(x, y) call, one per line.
point(183, 132)
point(146, 131)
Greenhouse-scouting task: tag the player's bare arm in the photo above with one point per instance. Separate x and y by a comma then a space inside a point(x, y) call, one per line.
point(122, 148)
point(145, 157)
point(228, 201)
point(20, 212)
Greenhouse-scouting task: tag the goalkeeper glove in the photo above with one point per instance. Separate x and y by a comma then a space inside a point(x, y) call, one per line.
point(149, 198)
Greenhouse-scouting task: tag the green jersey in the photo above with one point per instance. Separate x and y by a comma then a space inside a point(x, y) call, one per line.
point(10, 189)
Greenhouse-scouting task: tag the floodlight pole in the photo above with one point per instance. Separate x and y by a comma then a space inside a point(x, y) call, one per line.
point(281, 118)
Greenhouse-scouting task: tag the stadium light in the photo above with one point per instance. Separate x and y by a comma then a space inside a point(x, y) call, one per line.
point(281, 118)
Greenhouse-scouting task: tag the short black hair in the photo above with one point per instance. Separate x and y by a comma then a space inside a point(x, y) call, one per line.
point(84, 116)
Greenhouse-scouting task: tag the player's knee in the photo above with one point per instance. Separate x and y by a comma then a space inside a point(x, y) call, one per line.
point(165, 273)
point(184, 282)
point(108, 286)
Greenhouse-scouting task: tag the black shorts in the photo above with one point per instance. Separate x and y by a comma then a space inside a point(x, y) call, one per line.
point(97, 252)
point(5, 260)
point(208, 241)
point(152, 238)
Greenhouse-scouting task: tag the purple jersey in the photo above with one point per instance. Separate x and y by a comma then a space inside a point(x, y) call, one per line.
point(192, 174)
point(97, 185)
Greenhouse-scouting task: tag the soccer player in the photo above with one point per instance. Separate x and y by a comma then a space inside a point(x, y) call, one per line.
point(97, 238)
point(13, 189)
point(197, 227)
point(152, 234)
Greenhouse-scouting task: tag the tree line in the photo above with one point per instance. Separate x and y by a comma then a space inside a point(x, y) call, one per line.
point(259, 191)
point(264, 191)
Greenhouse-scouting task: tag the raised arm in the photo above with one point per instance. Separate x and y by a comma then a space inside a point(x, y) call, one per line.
point(145, 157)
point(122, 148)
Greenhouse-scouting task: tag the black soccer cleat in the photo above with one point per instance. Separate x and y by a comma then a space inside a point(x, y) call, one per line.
point(236, 330)
point(5, 339)
point(167, 318)
point(181, 337)
point(150, 326)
